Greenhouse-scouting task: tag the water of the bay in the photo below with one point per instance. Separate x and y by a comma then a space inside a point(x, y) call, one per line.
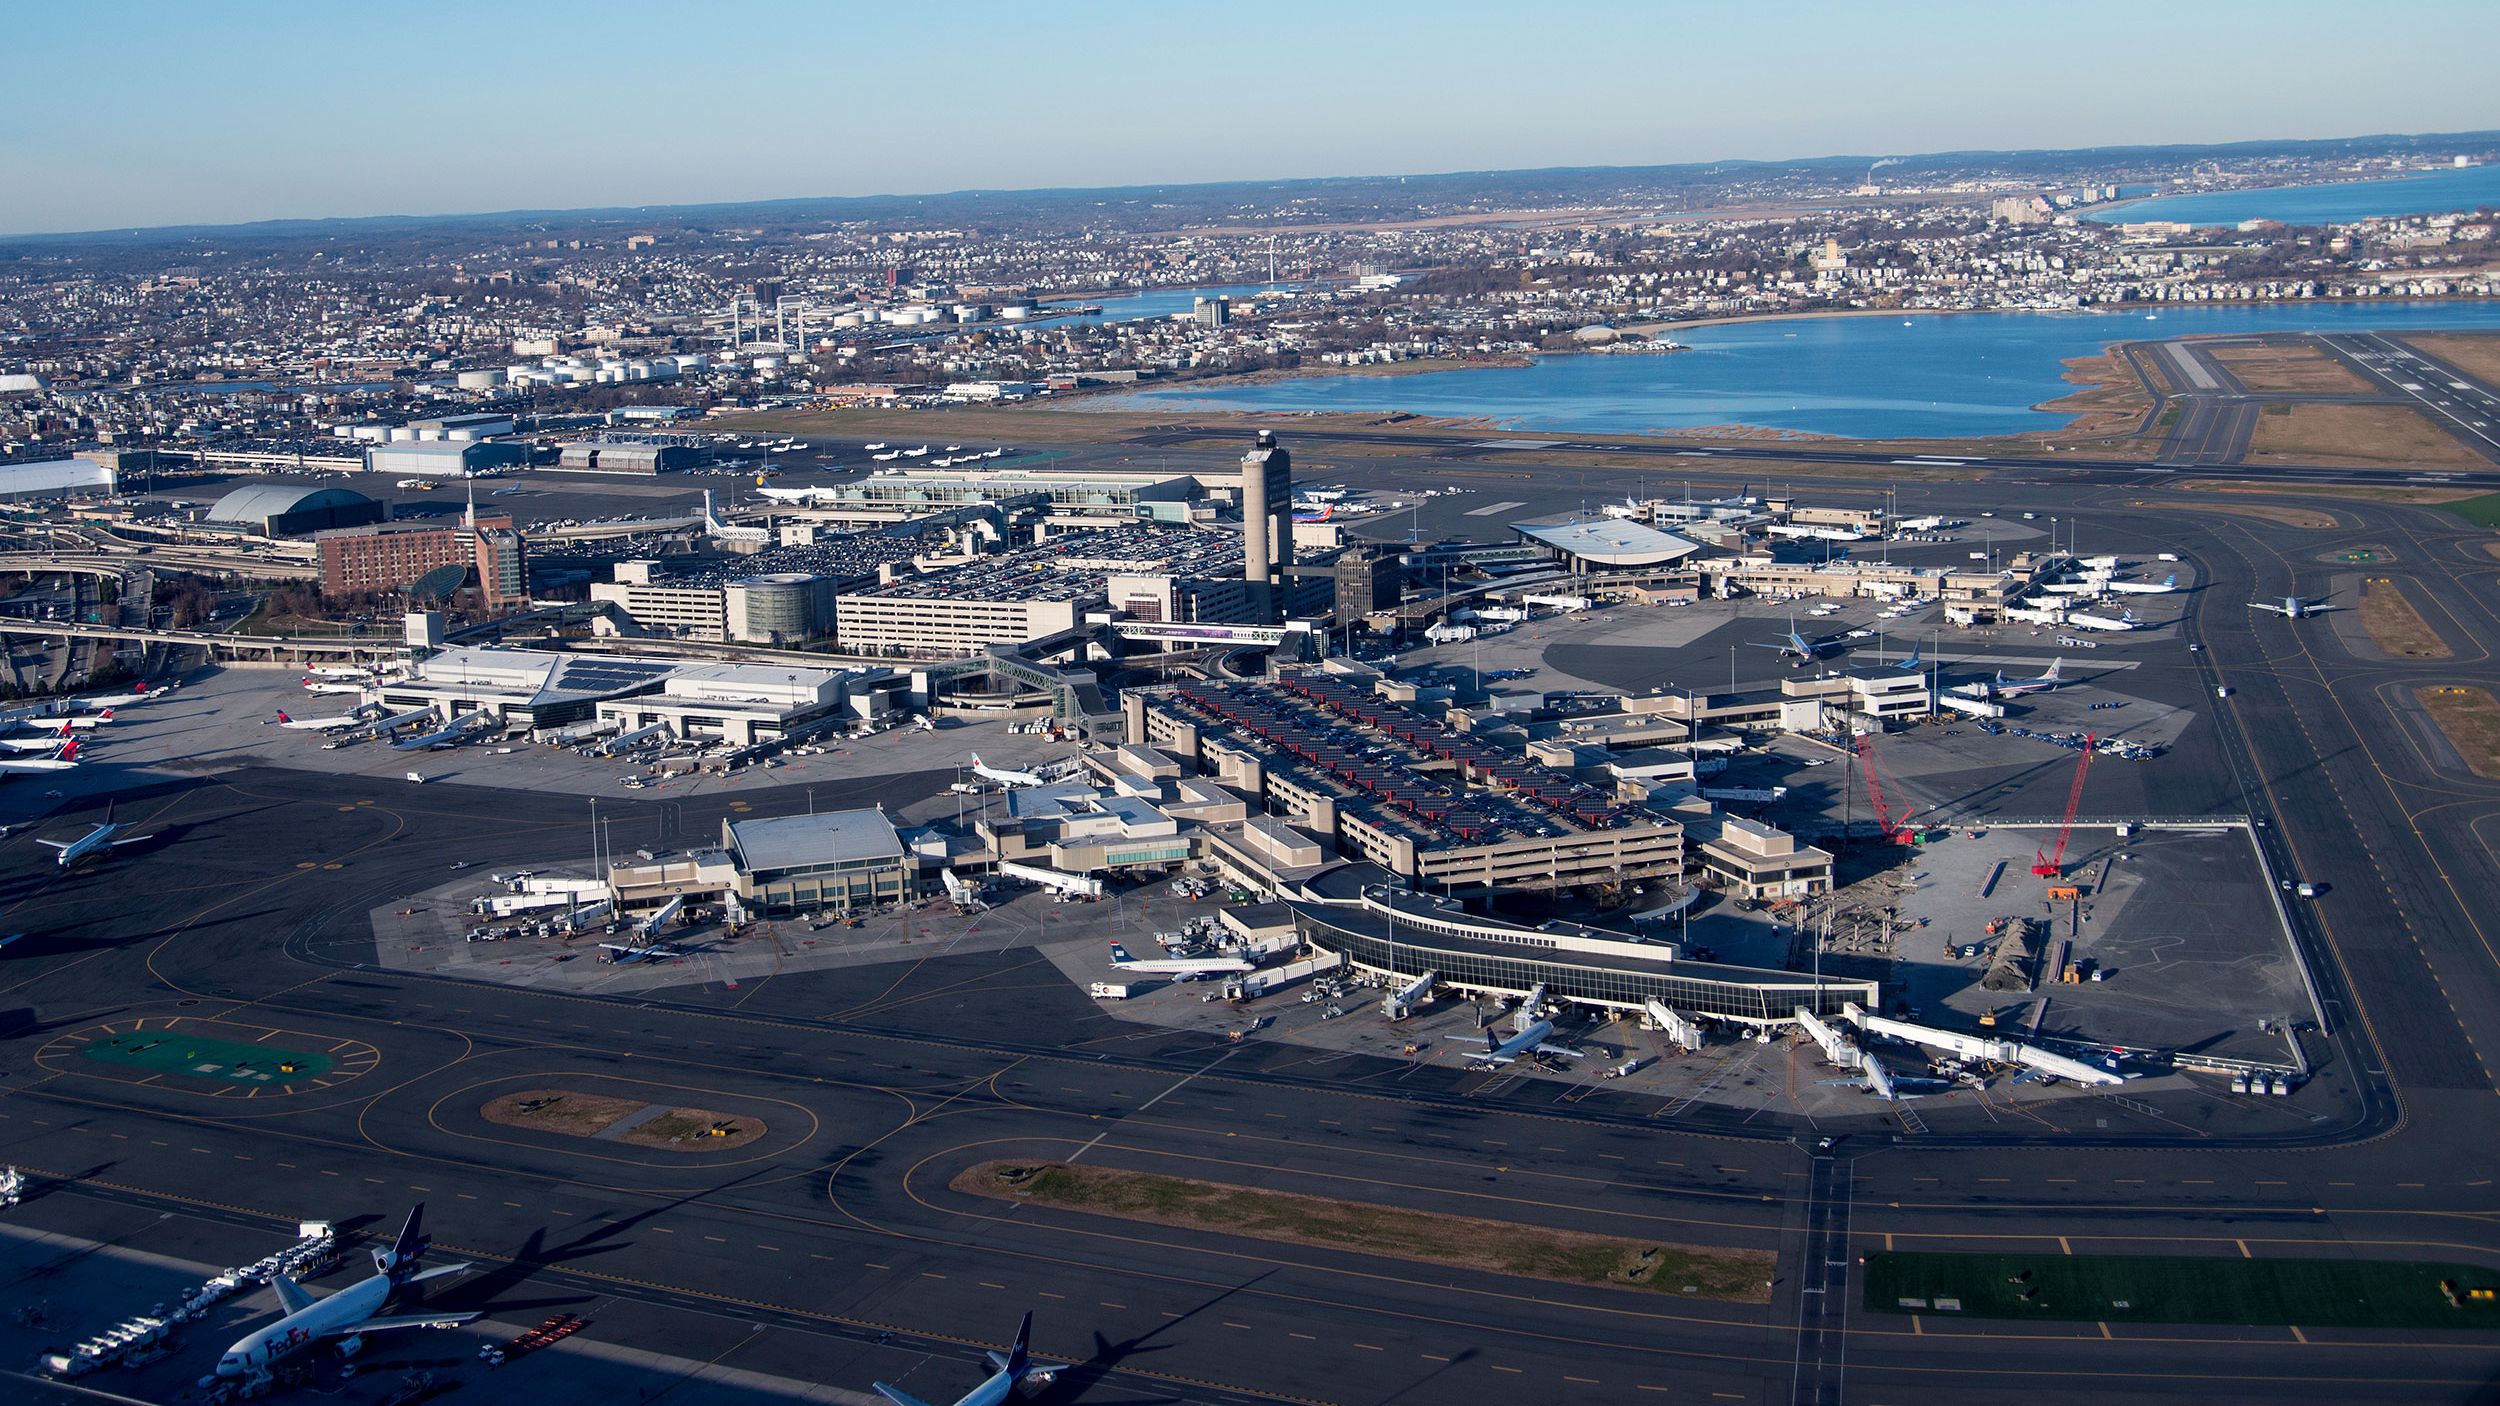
point(1906, 376)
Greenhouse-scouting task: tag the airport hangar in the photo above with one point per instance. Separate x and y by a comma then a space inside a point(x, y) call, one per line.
point(740, 704)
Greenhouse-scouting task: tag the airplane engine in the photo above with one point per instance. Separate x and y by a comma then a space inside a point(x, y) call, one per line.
point(351, 1345)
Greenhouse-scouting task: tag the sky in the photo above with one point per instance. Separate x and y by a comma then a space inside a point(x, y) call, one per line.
point(143, 113)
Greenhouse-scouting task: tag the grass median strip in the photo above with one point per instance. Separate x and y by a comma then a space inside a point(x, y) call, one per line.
point(2186, 1289)
point(2470, 719)
point(628, 1120)
point(2395, 626)
point(1426, 1237)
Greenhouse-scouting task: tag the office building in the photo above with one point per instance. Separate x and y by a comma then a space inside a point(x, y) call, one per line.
point(1368, 579)
point(396, 556)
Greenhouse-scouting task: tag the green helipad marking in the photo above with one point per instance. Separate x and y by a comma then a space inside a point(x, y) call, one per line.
point(2186, 1289)
point(197, 1057)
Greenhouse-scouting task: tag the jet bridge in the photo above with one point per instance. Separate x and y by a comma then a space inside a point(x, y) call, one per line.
point(1401, 1003)
point(1838, 1049)
point(1685, 1032)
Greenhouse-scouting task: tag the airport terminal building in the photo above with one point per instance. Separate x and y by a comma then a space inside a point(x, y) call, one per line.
point(1398, 936)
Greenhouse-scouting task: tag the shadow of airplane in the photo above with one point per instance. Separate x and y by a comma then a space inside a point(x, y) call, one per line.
point(20, 1023)
point(483, 1290)
point(1077, 1379)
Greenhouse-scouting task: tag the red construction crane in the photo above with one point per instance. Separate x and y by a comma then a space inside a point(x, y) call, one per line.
point(1901, 833)
point(2049, 865)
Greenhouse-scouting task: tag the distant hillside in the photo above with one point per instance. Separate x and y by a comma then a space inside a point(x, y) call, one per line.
point(1321, 199)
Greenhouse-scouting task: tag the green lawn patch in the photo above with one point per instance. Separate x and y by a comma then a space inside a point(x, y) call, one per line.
point(2482, 511)
point(2186, 1289)
point(1462, 1242)
point(199, 1057)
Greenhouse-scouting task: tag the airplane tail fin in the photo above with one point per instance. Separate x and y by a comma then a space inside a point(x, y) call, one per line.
point(282, 717)
point(1019, 1360)
point(2171, 580)
point(69, 750)
point(404, 1251)
point(2055, 665)
point(1119, 955)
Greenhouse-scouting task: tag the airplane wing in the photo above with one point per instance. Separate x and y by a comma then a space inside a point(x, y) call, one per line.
point(405, 1320)
point(132, 840)
point(293, 1297)
point(52, 844)
point(1565, 1051)
point(897, 1395)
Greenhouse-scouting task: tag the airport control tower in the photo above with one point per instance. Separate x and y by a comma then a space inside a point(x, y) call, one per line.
point(1267, 527)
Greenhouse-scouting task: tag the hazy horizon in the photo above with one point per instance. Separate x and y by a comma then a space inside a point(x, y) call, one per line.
point(154, 114)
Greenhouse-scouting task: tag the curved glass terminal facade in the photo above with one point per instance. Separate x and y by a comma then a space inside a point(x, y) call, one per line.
point(1489, 956)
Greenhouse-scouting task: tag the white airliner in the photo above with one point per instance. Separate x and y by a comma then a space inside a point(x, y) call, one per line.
point(338, 723)
point(1530, 1040)
point(139, 693)
point(50, 739)
point(100, 838)
point(801, 495)
point(337, 675)
point(1179, 966)
point(312, 685)
point(64, 756)
point(2123, 621)
point(449, 734)
point(2293, 607)
point(1795, 644)
point(1008, 1370)
point(81, 721)
point(2016, 688)
point(1002, 776)
point(2162, 587)
point(346, 1316)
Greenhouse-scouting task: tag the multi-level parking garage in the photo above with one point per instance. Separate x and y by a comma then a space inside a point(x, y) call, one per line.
point(1396, 790)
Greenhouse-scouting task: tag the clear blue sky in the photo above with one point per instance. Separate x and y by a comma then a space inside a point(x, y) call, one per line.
point(143, 113)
